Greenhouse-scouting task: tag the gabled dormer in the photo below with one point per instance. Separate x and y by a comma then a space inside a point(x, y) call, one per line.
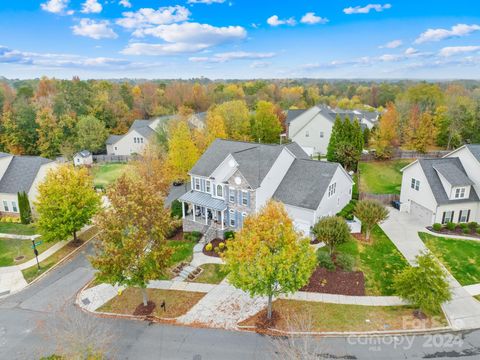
point(455, 182)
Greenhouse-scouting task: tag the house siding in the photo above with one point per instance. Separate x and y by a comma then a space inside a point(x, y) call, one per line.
point(127, 146)
point(423, 196)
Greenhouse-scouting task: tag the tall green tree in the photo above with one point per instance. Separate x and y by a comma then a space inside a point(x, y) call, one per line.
point(370, 213)
point(268, 257)
point(332, 231)
point(132, 249)
point(50, 134)
point(24, 208)
point(266, 125)
point(66, 202)
point(91, 134)
point(335, 138)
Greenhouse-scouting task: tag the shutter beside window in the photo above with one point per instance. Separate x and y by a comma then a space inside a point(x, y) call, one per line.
point(453, 216)
point(240, 197)
point(237, 221)
point(248, 199)
point(227, 217)
point(443, 217)
point(202, 184)
point(468, 215)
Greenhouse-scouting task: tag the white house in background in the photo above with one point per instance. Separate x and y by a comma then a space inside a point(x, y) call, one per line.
point(20, 174)
point(312, 128)
point(83, 157)
point(233, 179)
point(443, 190)
point(141, 131)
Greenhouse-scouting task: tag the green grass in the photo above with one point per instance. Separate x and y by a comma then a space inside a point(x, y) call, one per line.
point(106, 174)
point(17, 228)
point(12, 248)
point(212, 274)
point(382, 177)
point(182, 250)
point(460, 257)
point(379, 261)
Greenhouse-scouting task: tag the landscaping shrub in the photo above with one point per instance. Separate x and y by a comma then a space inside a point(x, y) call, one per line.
point(229, 235)
point(192, 236)
point(451, 226)
point(221, 245)
point(347, 211)
point(325, 260)
point(464, 226)
point(473, 225)
point(345, 262)
point(466, 230)
point(209, 247)
point(478, 230)
point(216, 249)
point(24, 207)
point(9, 219)
point(176, 209)
point(437, 227)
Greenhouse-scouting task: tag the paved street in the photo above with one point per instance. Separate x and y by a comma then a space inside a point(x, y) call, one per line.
point(28, 321)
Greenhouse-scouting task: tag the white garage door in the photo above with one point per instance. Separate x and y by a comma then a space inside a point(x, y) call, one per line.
point(420, 212)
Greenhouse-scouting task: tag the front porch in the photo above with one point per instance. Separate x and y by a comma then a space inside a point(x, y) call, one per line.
point(201, 211)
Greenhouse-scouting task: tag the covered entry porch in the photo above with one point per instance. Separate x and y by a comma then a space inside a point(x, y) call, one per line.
point(203, 209)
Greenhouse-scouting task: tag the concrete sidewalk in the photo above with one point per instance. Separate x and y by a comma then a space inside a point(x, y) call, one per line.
point(463, 311)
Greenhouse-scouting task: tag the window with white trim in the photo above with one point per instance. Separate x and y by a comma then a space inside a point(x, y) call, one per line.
point(447, 217)
point(14, 206)
point(219, 190)
point(322, 134)
point(197, 184)
point(463, 217)
point(5, 206)
point(232, 218)
point(415, 184)
point(332, 189)
point(231, 195)
point(460, 193)
point(244, 198)
point(207, 186)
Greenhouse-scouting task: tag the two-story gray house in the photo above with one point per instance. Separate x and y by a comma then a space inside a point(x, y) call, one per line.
point(233, 179)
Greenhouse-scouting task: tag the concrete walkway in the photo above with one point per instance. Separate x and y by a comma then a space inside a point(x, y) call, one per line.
point(463, 311)
point(20, 237)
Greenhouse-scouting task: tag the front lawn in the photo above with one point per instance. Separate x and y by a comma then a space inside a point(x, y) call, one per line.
point(182, 250)
point(460, 257)
point(177, 303)
point(379, 261)
point(106, 174)
point(17, 228)
point(10, 249)
point(295, 315)
point(212, 274)
point(382, 177)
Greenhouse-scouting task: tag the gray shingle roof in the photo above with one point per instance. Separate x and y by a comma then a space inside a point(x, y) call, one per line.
point(112, 139)
point(297, 150)
point(435, 183)
point(475, 150)
point(203, 199)
point(293, 113)
point(254, 160)
point(453, 174)
point(306, 183)
point(84, 153)
point(21, 173)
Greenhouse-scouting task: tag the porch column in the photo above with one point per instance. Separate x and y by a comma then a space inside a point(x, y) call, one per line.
point(183, 210)
point(221, 219)
point(194, 211)
point(206, 216)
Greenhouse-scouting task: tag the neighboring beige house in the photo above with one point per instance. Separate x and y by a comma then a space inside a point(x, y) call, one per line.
point(312, 128)
point(83, 157)
point(20, 174)
point(141, 131)
point(233, 179)
point(443, 190)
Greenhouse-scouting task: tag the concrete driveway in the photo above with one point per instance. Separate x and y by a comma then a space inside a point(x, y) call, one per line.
point(463, 311)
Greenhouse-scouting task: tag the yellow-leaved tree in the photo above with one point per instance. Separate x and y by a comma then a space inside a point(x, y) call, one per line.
point(182, 152)
point(268, 257)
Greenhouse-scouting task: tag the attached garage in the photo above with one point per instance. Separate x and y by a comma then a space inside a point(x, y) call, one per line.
point(421, 213)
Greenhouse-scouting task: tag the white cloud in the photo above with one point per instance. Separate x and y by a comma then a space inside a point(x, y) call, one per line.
point(162, 49)
point(275, 21)
point(206, 1)
point(455, 50)
point(125, 3)
point(234, 55)
point(311, 18)
point(392, 44)
point(411, 51)
point(366, 9)
point(147, 17)
point(55, 6)
point(91, 7)
point(260, 64)
point(458, 30)
point(94, 29)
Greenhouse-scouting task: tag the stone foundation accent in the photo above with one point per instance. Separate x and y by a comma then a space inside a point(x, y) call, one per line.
point(190, 225)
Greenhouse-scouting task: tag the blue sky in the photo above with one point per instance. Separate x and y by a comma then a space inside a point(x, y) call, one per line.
point(240, 39)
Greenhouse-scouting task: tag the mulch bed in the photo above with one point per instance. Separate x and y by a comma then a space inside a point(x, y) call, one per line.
point(314, 241)
point(142, 310)
point(214, 243)
point(361, 237)
point(458, 231)
point(336, 282)
point(178, 235)
point(263, 323)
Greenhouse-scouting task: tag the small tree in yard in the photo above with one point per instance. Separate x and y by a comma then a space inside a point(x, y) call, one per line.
point(332, 230)
point(424, 285)
point(66, 202)
point(24, 207)
point(267, 257)
point(370, 213)
point(132, 249)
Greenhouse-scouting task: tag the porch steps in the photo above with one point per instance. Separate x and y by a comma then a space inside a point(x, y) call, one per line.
point(187, 270)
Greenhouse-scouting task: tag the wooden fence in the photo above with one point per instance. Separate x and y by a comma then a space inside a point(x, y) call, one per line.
point(112, 158)
point(385, 199)
point(407, 154)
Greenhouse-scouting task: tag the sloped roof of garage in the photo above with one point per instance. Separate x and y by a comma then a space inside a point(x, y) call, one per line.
point(428, 167)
